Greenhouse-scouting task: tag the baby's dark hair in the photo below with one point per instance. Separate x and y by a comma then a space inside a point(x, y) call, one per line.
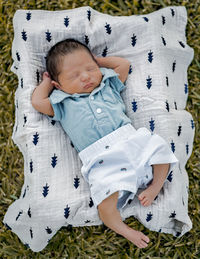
point(60, 49)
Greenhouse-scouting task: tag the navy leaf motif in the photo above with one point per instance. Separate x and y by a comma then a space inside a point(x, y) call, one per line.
point(172, 146)
point(31, 166)
point(25, 120)
point(192, 124)
point(89, 14)
point(91, 203)
point(87, 221)
point(48, 230)
point(72, 144)
point(86, 40)
point(67, 211)
point(19, 214)
point(178, 234)
point(24, 35)
point(105, 52)
point(170, 176)
point(45, 190)
point(108, 28)
point(149, 216)
point(66, 21)
point(133, 40)
point(48, 36)
point(175, 105)
point(167, 81)
point(38, 76)
point(172, 12)
point(18, 56)
point(123, 169)
point(174, 66)
point(149, 82)
point(173, 214)
point(35, 138)
point(31, 232)
point(187, 148)
point(146, 19)
point(167, 106)
point(29, 212)
point(183, 201)
point(163, 41)
point(150, 56)
point(130, 69)
point(101, 162)
point(24, 193)
point(28, 16)
point(54, 160)
point(163, 20)
point(22, 83)
point(76, 182)
point(179, 130)
point(53, 122)
point(186, 88)
point(182, 44)
point(152, 124)
point(134, 105)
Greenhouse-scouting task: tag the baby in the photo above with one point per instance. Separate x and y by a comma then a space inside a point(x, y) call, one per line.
point(117, 159)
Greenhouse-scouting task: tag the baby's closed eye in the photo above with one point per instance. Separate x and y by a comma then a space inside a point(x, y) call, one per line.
point(91, 68)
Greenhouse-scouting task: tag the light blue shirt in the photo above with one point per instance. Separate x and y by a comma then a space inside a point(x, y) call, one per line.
point(87, 117)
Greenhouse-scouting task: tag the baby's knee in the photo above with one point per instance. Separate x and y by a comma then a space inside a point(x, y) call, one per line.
point(109, 204)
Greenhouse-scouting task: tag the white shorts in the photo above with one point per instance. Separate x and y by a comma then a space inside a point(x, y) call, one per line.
point(121, 161)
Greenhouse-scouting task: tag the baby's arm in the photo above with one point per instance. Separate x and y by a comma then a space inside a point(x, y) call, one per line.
point(40, 100)
point(120, 65)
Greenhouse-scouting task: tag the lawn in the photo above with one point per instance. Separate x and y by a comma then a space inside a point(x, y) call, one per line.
point(96, 241)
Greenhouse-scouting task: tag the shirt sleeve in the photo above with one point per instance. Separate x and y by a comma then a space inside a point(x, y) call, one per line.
point(57, 108)
point(117, 84)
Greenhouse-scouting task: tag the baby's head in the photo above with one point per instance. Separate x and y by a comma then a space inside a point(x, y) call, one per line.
point(72, 67)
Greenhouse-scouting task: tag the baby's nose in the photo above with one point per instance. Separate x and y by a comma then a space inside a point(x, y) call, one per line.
point(84, 76)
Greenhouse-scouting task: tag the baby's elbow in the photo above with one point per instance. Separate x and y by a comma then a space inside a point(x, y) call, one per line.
point(35, 103)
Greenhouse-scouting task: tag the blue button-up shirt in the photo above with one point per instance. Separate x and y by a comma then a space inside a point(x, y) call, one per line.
point(87, 117)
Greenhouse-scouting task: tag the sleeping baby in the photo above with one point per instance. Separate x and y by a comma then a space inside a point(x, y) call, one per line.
point(83, 93)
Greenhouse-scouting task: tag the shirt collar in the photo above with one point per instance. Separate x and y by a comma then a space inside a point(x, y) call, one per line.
point(59, 95)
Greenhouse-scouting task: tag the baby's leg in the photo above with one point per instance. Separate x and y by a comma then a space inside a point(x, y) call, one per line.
point(111, 217)
point(160, 172)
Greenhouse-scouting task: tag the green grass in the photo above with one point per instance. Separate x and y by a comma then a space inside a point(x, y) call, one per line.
point(97, 241)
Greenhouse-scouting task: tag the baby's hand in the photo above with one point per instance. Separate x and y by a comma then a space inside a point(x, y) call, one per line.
point(46, 76)
point(46, 79)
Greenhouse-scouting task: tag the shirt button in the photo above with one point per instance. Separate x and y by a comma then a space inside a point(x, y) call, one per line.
point(99, 110)
point(92, 98)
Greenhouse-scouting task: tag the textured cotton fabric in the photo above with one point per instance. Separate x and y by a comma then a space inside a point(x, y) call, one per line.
point(54, 193)
point(122, 161)
point(87, 117)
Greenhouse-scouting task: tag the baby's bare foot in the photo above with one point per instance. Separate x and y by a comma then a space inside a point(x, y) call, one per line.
point(137, 238)
point(148, 195)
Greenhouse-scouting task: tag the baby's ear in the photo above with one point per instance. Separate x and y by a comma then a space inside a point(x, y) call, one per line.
point(55, 84)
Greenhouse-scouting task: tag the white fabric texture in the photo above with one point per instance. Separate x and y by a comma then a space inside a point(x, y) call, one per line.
point(54, 193)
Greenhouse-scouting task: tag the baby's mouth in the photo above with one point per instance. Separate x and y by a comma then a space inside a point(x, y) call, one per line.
point(87, 86)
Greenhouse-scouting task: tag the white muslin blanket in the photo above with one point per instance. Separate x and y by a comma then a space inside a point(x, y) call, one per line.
point(54, 193)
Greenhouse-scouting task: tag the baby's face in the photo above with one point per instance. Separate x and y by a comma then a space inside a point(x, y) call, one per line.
point(79, 73)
